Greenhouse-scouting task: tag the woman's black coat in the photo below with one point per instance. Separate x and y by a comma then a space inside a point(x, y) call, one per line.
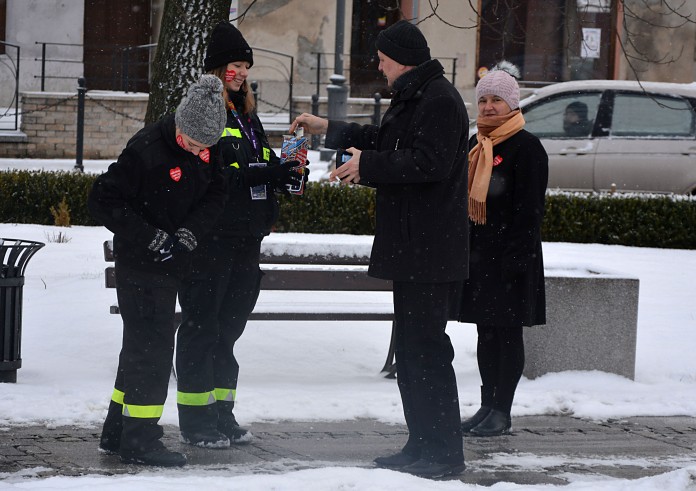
point(506, 267)
point(416, 159)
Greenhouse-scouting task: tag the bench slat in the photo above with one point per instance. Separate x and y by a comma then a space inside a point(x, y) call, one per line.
point(297, 279)
point(303, 316)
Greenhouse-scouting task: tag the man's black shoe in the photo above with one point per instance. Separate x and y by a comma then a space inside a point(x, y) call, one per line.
point(205, 439)
point(495, 424)
point(160, 457)
point(395, 461)
point(433, 470)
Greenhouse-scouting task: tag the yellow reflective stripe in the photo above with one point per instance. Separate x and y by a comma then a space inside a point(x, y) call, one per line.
point(231, 132)
point(235, 164)
point(135, 411)
point(228, 395)
point(195, 398)
point(266, 154)
point(117, 396)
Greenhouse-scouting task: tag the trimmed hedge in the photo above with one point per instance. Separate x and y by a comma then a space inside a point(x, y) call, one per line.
point(27, 196)
point(644, 220)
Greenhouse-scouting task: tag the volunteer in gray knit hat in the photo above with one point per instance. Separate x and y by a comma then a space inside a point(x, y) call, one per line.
point(404, 43)
point(201, 114)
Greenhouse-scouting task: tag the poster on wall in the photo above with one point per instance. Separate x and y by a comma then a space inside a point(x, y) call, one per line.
point(591, 38)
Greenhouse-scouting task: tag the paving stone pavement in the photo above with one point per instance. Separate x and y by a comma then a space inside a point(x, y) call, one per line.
point(540, 450)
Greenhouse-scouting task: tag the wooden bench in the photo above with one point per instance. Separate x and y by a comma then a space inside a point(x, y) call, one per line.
point(307, 273)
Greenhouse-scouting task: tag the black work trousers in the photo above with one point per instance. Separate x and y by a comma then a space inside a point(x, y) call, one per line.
point(500, 356)
point(147, 302)
point(216, 301)
point(424, 371)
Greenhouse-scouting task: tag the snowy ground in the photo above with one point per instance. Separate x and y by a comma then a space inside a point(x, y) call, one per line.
point(70, 347)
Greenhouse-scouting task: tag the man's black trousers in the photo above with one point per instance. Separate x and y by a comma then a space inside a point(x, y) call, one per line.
point(424, 371)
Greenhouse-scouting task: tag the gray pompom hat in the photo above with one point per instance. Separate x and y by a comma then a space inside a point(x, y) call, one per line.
point(201, 114)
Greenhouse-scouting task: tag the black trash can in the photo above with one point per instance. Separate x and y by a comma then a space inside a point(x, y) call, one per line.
point(14, 256)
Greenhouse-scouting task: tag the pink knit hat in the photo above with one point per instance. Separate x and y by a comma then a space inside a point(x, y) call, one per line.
point(502, 84)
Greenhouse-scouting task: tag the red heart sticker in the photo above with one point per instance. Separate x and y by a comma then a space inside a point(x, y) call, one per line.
point(229, 75)
point(175, 174)
point(205, 156)
point(497, 160)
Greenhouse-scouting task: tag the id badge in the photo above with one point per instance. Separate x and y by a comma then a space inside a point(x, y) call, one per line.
point(258, 192)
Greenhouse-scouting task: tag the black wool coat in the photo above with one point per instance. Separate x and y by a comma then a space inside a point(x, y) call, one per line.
point(506, 268)
point(155, 184)
point(417, 161)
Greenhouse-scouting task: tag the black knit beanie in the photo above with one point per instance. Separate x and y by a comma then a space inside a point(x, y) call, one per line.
point(404, 43)
point(226, 45)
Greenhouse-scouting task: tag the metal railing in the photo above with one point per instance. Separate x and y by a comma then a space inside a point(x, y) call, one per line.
point(123, 57)
point(14, 67)
point(44, 60)
point(290, 77)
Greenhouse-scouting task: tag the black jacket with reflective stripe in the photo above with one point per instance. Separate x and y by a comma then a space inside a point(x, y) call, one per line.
point(244, 216)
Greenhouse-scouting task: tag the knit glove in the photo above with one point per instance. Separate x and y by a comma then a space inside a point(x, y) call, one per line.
point(284, 175)
point(162, 244)
point(185, 240)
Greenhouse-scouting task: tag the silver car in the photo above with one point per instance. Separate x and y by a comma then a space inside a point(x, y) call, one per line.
point(612, 134)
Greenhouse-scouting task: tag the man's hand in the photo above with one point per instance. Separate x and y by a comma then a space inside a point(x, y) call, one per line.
point(313, 125)
point(348, 173)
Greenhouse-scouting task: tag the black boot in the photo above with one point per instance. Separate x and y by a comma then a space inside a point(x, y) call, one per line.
point(477, 418)
point(495, 424)
point(228, 425)
point(487, 394)
point(396, 461)
point(110, 440)
point(159, 457)
point(198, 426)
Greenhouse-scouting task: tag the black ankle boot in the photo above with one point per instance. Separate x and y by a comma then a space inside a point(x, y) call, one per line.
point(473, 421)
point(495, 424)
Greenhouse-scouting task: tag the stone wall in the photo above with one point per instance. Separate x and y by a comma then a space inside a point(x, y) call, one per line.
point(48, 127)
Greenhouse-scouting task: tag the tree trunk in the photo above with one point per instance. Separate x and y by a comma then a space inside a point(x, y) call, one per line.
point(183, 38)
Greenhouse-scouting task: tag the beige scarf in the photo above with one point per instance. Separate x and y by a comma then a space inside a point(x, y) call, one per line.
point(491, 131)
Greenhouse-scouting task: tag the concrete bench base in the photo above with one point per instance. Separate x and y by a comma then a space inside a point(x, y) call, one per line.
point(591, 325)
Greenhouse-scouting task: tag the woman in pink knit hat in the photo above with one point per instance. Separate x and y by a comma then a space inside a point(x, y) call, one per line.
point(508, 171)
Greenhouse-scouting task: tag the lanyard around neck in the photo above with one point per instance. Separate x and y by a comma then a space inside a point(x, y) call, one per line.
point(250, 133)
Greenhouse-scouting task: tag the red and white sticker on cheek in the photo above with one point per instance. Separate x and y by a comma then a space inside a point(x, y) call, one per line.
point(180, 141)
point(230, 75)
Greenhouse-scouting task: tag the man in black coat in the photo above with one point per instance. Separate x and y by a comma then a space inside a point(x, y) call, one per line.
point(416, 159)
point(161, 196)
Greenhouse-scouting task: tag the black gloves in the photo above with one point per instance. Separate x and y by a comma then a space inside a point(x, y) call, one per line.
point(162, 243)
point(186, 241)
point(166, 245)
point(279, 176)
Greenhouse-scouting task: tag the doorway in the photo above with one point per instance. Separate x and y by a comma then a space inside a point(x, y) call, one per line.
point(114, 35)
